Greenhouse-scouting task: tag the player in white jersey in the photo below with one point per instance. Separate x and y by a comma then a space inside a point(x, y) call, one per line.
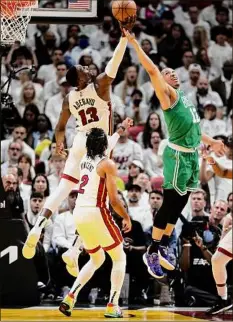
point(95, 224)
point(90, 104)
point(224, 252)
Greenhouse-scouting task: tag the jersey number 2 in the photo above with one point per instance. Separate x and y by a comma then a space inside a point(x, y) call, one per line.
point(88, 116)
point(84, 182)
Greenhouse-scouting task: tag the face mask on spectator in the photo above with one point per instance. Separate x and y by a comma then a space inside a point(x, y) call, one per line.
point(137, 30)
point(107, 25)
point(83, 43)
point(137, 101)
point(202, 91)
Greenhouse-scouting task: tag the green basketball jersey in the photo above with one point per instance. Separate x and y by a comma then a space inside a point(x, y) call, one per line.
point(183, 122)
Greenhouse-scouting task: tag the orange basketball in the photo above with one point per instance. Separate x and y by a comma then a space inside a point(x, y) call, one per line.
point(123, 9)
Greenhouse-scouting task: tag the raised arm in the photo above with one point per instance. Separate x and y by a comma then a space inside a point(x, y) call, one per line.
point(218, 169)
point(105, 79)
point(61, 126)
point(164, 92)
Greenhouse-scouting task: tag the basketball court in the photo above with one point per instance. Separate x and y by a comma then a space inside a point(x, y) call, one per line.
point(96, 314)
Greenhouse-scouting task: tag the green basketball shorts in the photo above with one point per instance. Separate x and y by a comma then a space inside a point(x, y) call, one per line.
point(181, 170)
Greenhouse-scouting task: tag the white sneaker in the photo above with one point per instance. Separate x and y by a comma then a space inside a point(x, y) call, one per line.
point(70, 257)
point(29, 248)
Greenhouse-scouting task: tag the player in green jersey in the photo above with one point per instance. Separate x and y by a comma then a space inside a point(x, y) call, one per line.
point(181, 168)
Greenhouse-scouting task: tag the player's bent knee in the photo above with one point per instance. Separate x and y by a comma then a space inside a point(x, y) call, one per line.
point(98, 258)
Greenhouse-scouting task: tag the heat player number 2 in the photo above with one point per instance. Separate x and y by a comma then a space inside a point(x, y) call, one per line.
point(89, 115)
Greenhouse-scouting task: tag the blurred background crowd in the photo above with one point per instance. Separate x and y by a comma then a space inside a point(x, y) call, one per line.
point(194, 38)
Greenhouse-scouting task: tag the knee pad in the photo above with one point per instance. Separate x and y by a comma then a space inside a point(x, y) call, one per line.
point(118, 258)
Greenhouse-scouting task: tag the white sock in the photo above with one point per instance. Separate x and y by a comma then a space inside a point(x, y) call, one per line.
point(118, 273)
point(88, 270)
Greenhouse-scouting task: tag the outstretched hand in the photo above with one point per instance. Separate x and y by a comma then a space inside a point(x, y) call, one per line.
point(127, 123)
point(128, 35)
point(128, 23)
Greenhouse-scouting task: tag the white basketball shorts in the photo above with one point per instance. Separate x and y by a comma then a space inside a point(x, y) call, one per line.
point(97, 228)
point(225, 245)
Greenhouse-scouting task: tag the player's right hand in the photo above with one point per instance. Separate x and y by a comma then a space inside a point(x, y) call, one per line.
point(60, 149)
point(126, 225)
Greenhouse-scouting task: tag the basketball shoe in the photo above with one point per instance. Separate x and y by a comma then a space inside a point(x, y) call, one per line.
point(113, 311)
point(67, 305)
point(167, 258)
point(70, 257)
point(153, 265)
point(220, 306)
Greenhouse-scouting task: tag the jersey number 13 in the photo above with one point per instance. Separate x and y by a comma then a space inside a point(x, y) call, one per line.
point(89, 115)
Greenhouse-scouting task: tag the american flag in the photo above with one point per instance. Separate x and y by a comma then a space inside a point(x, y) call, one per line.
point(79, 4)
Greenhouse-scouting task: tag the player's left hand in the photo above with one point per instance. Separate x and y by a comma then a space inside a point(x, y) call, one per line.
point(128, 23)
point(218, 147)
point(128, 35)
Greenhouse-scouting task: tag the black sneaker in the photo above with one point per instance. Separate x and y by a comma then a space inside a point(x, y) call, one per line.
point(220, 306)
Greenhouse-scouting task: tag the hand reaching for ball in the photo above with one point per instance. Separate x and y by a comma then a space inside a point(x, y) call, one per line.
point(128, 35)
point(128, 23)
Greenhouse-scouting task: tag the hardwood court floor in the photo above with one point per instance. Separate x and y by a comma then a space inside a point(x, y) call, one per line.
point(96, 314)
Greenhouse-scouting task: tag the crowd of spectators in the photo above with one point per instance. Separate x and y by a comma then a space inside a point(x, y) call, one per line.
point(192, 38)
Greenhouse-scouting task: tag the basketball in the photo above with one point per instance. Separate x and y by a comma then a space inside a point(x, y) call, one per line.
point(124, 9)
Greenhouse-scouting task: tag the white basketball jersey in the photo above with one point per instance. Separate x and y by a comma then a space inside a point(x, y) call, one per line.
point(90, 110)
point(92, 189)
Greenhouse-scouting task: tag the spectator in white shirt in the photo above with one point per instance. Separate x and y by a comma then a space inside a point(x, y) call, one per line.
point(194, 21)
point(211, 125)
point(19, 133)
point(220, 50)
point(183, 71)
point(14, 152)
point(208, 14)
point(153, 162)
point(48, 72)
point(64, 226)
point(136, 212)
point(204, 94)
point(58, 163)
point(28, 96)
point(125, 152)
point(194, 75)
point(100, 38)
point(137, 109)
point(54, 104)
point(52, 87)
point(126, 87)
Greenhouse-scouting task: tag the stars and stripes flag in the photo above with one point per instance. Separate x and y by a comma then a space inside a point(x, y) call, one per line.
point(79, 4)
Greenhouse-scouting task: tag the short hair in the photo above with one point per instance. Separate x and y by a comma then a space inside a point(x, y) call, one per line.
point(97, 143)
point(36, 194)
point(222, 9)
point(200, 191)
point(158, 192)
point(72, 76)
point(61, 63)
